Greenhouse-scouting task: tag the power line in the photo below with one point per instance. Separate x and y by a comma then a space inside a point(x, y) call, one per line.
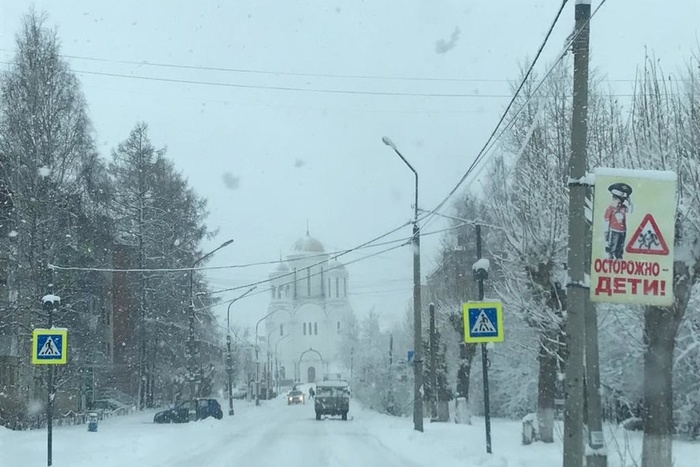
point(404, 240)
point(490, 142)
point(330, 255)
point(148, 63)
point(293, 88)
point(294, 280)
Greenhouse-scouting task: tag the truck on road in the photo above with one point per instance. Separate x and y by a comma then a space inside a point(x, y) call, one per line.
point(332, 398)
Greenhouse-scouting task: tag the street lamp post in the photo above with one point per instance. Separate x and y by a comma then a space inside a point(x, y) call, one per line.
point(229, 357)
point(190, 338)
point(268, 366)
point(417, 317)
point(277, 366)
point(257, 349)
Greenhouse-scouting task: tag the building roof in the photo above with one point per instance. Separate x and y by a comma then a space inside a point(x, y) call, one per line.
point(335, 264)
point(282, 267)
point(308, 244)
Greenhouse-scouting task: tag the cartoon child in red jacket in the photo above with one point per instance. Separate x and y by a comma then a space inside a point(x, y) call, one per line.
point(615, 219)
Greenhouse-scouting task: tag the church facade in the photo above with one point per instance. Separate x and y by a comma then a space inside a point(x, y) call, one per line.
point(308, 312)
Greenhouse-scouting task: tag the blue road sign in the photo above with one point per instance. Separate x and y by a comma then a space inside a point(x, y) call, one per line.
point(49, 346)
point(483, 322)
point(409, 356)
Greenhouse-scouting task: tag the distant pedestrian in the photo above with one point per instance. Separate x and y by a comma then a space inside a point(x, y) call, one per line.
point(311, 393)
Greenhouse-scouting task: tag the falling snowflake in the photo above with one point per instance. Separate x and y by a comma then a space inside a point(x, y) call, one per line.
point(231, 182)
point(12, 234)
point(176, 242)
point(44, 171)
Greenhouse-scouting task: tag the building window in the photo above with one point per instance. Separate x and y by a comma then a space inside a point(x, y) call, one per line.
point(304, 328)
point(345, 287)
point(321, 282)
point(107, 317)
point(338, 326)
point(308, 282)
point(316, 329)
point(281, 329)
point(273, 291)
point(329, 287)
point(295, 283)
point(337, 291)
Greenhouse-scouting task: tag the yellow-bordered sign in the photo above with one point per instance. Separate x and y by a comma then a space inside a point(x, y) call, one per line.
point(49, 346)
point(483, 322)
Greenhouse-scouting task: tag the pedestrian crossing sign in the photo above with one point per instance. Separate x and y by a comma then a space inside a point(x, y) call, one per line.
point(483, 322)
point(49, 346)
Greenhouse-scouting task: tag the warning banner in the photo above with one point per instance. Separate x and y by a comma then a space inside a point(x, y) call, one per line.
point(633, 230)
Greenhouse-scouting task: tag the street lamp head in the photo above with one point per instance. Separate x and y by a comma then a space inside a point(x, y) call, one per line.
point(226, 243)
point(51, 299)
point(389, 142)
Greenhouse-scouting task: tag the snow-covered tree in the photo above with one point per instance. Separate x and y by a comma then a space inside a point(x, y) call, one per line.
point(665, 136)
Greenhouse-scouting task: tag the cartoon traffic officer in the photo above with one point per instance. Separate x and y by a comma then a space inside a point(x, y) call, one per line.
point(615, 219)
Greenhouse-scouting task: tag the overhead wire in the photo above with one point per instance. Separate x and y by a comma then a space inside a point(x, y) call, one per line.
point(156, 64)
point(495, 134)
point(406, 241)
point(368, 244)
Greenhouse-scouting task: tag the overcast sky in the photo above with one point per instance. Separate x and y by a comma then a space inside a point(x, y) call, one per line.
point(269, 159)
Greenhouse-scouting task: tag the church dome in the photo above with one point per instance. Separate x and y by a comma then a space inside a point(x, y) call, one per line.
point(334, 264)
point(308, 244)
point(282, 267)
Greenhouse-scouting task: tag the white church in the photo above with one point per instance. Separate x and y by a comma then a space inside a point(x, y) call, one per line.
point(308, 311)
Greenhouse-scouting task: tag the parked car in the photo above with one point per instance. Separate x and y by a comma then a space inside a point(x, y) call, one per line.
point(295, 397)
point(200, 408)
point(332, 398)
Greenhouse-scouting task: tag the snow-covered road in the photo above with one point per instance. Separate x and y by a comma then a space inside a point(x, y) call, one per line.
point(275, 434)
point(272, 434)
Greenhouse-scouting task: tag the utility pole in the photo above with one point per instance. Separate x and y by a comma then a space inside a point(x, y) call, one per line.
point(577, 288)
point(433, 364)
point(480, 276)
point(390, 401)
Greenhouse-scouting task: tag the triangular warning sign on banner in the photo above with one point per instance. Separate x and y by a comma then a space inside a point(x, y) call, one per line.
point(483, 325)
point(49, 349)
point(647, 240)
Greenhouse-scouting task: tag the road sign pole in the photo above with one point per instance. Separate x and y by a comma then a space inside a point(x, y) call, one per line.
point(484, 350)
point(50, 303)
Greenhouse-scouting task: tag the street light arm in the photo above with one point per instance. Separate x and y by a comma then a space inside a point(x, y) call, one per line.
point(198, 260)
point(391, 144)
point(260, 321)
point(228, 310)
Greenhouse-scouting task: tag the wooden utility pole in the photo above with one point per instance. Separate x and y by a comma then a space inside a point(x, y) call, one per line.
point(577, 285)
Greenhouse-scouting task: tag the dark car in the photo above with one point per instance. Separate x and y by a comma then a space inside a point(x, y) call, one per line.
point(199, 408)
point(332, 398)
point(295, 397)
